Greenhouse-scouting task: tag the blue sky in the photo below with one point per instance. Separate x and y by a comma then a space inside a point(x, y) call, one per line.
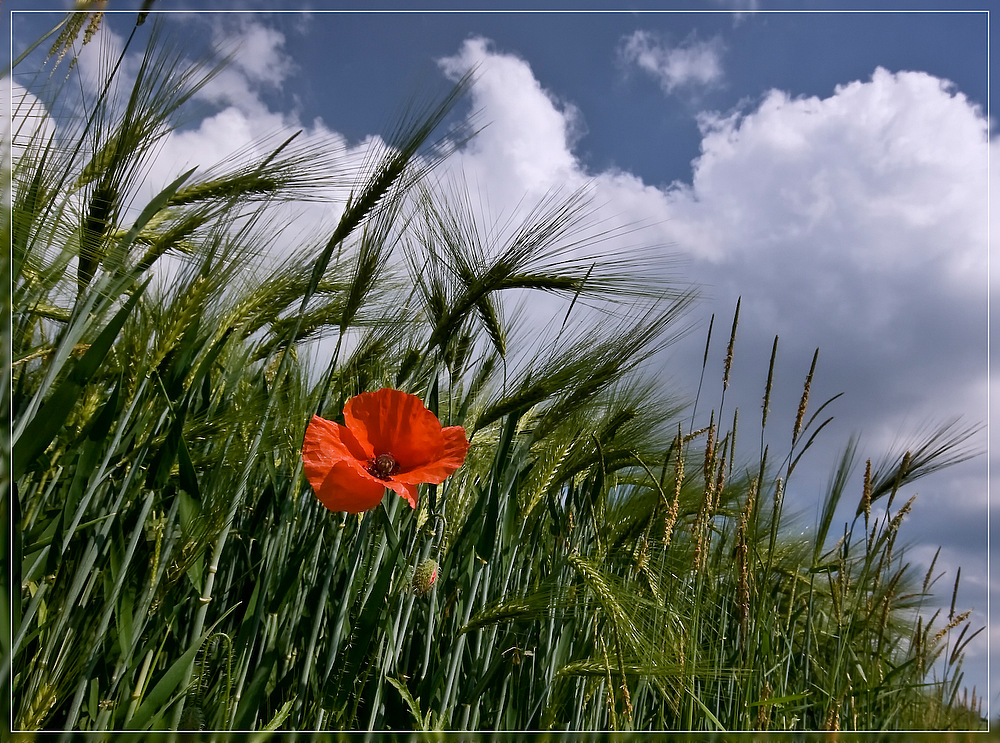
point(828, 167)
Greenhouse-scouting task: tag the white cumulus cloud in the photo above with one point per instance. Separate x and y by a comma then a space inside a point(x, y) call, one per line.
point(855, 222)
point(859, 219)
point(528, 135)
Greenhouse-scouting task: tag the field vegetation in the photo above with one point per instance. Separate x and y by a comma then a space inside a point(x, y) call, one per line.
point(606, 557)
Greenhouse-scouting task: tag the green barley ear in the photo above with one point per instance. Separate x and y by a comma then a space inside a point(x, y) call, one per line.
point(671, 518)
point(904, 470)
point(954, 594)
point(743, 561)
point(866, 496)
point(701, 524)
point(89, 12)
point(709, 465)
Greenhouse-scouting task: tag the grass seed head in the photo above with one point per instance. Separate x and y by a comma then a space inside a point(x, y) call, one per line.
point(729, 348)
point(805, 399)
point(767, 387)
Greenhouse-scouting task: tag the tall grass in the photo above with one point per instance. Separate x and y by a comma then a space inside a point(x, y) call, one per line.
point(603, 564)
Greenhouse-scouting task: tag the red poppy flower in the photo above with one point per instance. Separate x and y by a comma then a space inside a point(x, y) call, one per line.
point(390, 440)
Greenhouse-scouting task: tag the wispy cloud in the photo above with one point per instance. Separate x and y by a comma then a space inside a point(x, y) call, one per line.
point(693, 62)
point(258, 50)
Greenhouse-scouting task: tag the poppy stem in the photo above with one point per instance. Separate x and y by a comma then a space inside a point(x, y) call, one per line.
point(439, 531)
point(390, 532)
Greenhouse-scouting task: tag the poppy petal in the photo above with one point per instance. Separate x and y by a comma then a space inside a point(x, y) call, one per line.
point(325, 444)
point(347, 489)
point(406, 490)
point(322, 447)
point(449, 459)
point(389, 421)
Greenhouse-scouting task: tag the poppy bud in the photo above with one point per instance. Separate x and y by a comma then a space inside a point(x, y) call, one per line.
point(425, 575)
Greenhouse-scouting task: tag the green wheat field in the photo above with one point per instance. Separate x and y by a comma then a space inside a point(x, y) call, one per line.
point(605, 558)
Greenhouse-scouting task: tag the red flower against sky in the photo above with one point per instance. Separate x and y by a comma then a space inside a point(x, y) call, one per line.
point(390, 440)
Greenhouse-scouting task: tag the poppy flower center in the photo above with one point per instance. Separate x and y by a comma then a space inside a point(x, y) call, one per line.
point(383, 466)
